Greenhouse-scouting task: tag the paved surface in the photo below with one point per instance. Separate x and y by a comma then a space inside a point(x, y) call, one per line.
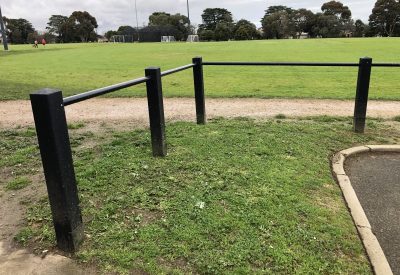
point(19, 112)
point(376, 180)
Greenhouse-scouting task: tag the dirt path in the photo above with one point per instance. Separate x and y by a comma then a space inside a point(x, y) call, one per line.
point(14, 113)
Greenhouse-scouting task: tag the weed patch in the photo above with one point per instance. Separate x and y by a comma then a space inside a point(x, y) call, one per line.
point(18, 183)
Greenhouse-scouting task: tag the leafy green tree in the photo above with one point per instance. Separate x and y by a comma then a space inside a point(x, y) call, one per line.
point(83, 24)
point(206, 35)
point(303, 21)
point(273, 9)
point(182, 24)
point(56, 26)
point(360, 29)
point(18, 30)
point(337, 9)
point(326, 26)
point(177, 21)
point(223, 31)
point(110, 34)
point(385, 18)
point(245, 30)
point(69, 31)
point(278, 24)
point(159, 19)
point(335, 21)
point(126, 30)
point(219, 22)
point(212, 17)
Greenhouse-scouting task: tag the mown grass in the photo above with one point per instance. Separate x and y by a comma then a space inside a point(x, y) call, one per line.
point(75, 68)
point(232, 197)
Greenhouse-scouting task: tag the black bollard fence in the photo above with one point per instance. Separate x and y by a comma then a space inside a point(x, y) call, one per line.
point(199, 90)
point(156, 111)
point(55, 149)
point(361, 102)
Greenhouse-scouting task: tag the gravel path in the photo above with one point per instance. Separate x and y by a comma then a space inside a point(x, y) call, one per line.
point(14, 113)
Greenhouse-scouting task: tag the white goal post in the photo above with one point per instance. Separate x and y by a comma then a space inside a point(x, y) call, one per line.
point(193, 38)
point(168, 39)
point(122, 39)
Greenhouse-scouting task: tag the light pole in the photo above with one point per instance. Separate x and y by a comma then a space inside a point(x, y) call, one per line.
point(137, 23)
point(188, 13)
point(3, 32)
point(187, 1)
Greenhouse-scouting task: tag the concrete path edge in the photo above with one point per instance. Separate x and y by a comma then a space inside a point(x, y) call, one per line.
point(374, 250)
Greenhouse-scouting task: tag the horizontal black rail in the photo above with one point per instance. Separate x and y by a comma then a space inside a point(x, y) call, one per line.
point(299, 64)
point(302, 64)
point(179, 69)
point(386, 65)
point(109, 89)
point(98, 92)
point(102, 91)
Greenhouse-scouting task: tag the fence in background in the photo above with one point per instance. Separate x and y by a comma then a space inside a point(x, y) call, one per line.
point(52, 131)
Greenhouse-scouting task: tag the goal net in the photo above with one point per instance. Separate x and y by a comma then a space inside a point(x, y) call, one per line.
point(193, 38)
point(168, 39)
point(122, 39)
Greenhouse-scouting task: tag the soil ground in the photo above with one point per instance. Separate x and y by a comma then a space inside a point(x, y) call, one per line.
point(13, 113)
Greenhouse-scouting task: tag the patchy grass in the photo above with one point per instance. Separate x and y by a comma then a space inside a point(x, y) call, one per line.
point(280, 116)
point(76, 126)
point(396, 118)
point(19, 154)
point(232, 197)
point(18, 183)
point(75, 68)
point(24, 235)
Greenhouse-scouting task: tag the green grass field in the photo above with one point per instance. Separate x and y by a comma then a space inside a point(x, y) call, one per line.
point(75, 68)
point(232, 197)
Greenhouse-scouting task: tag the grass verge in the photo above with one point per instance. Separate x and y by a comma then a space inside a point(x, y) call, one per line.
point(235, 196)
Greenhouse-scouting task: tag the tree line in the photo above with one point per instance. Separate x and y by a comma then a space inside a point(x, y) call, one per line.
point(160, 24)
point(78, 27)
point(278, 22)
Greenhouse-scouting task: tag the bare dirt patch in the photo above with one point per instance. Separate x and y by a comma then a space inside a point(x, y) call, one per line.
point(18, 113)
point(14, 260)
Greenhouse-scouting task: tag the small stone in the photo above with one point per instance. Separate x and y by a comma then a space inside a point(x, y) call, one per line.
point(44, 253)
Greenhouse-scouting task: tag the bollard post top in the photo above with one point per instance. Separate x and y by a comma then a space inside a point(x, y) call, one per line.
point(46, 91)
point(197, 59)
point(152, 68)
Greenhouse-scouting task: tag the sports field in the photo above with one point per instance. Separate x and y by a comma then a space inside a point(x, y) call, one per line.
point(75, 68)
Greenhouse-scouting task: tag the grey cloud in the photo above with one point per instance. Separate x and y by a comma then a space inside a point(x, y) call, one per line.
point(112, 13)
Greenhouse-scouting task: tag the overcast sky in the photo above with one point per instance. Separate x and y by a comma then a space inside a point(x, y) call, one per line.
point(113, 13)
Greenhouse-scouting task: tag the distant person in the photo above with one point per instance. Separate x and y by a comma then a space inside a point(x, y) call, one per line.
point(35, 45)
point(44, 42)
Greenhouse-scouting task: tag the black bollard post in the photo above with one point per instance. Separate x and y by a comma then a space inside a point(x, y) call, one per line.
point(199, 90)
point(156, 111)
point(360, 109)
point(55, 149)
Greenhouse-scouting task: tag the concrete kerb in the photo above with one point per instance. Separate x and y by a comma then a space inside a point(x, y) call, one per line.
point(374, 250)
